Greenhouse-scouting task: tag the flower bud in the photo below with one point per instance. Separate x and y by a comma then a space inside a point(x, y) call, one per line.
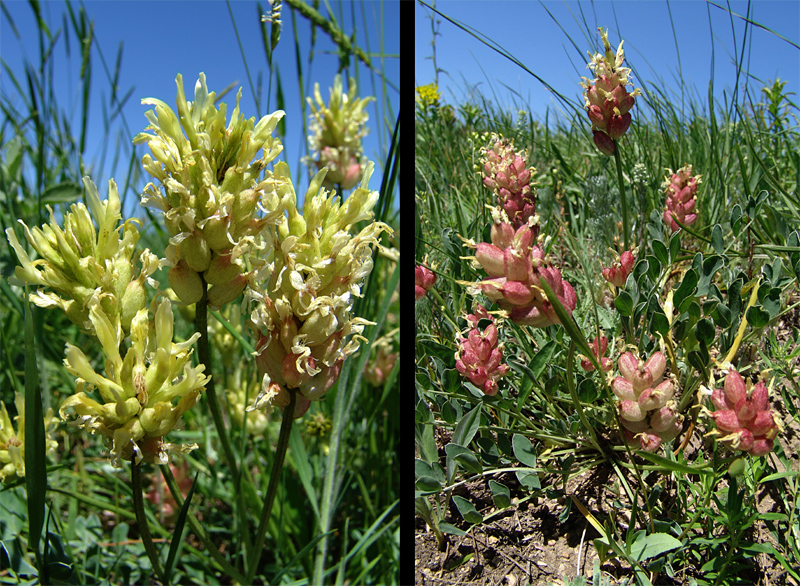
point(631, 411)
point(186, 283)
point(220, 295)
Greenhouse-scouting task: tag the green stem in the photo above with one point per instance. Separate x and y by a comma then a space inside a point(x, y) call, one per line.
point(272, 489)
point(625, 226)
point(141, 520)
point(204, 355)
point(198, 528)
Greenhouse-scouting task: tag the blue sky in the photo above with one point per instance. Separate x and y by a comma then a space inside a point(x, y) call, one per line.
point(528, 32)
point(163, 38)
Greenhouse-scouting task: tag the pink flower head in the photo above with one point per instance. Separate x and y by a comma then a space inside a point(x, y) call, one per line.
point(599, 347)
point(607, 100)
point(479, 356)
point(516, 269)
point(745, 421)
point(424, 279)
point(681, 189)
point(618, 273)
point(646, 407)
point(507, 176)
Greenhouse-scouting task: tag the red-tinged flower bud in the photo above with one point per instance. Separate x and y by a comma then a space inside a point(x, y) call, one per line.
point(186, 283)
point(742, 440)
point(623, 389)
point(735, 389)
point(635, 426)
point(673, 431)
point(597, 117)
point(656, 398)
point(517, 293)
point(516, 265)
point(215, 232)
point(762, 424)
point(424, 280)
point(618, 273)
point(220, 295)
point(628, 365)
point(745, 411)
point(761, 447)
point(719, 400)
point(603, 143)
point(760, 397)
point(481, 346)
point(656, 365)
point(630, 437)
point(631, 411)
point(726, 420)
point(649, 441)
point(618, 125)
point(491, 259)
point(664, 418)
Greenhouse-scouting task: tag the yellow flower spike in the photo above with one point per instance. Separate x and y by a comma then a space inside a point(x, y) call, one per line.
point(12, 442)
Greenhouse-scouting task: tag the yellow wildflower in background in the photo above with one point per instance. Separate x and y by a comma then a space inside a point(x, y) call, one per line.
point(428, 95)
point(12, 442)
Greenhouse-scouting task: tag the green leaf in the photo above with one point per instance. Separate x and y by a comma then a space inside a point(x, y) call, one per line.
point(624, 303)
point(542, 358)
point(716, 239)
point(66, 192)
point(451, 529)
point(757, 316)
point(428, 484)
point(500, 494)
point(685, 289)
point(465, 457)
point(653, 545)
point(523, 450)
point(467, 510)
point(736, 218)
point(177, 534)
point(704, 330)
point(674, 246)
point(35, 459)
point(468, 426)
point(672, 465)
point(660, 251)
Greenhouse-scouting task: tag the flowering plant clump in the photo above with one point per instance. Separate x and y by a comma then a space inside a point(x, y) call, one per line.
point(599, 347)
point(210, 190)
point(516, 268)
point(506, 175)
point(647, 412)
point(681, 189)
point(301, 310)
point(336, 133)
point(744, 420)
point(479, 356)
point(618, 272)
point(12, 441)
point(424, 280)
point(607, 100)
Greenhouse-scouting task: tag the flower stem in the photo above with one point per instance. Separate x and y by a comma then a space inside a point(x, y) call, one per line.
point(625, 227)
point(272, 488)
point(141, 520)
point(204, 355)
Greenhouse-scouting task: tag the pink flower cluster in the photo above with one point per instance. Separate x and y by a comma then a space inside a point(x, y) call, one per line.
point(607, 100)
point(479, 357)
point(681, 188)
point(618, 273)
point(516, 269)
point(646, 409)
point(505, 173)
point(599, 347)
point(424, 279)
point(744, 421)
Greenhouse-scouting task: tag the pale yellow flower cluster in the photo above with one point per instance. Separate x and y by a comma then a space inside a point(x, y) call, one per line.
point(12, 442)
point(302, 312)
point(210, 190)
point(336, 133)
